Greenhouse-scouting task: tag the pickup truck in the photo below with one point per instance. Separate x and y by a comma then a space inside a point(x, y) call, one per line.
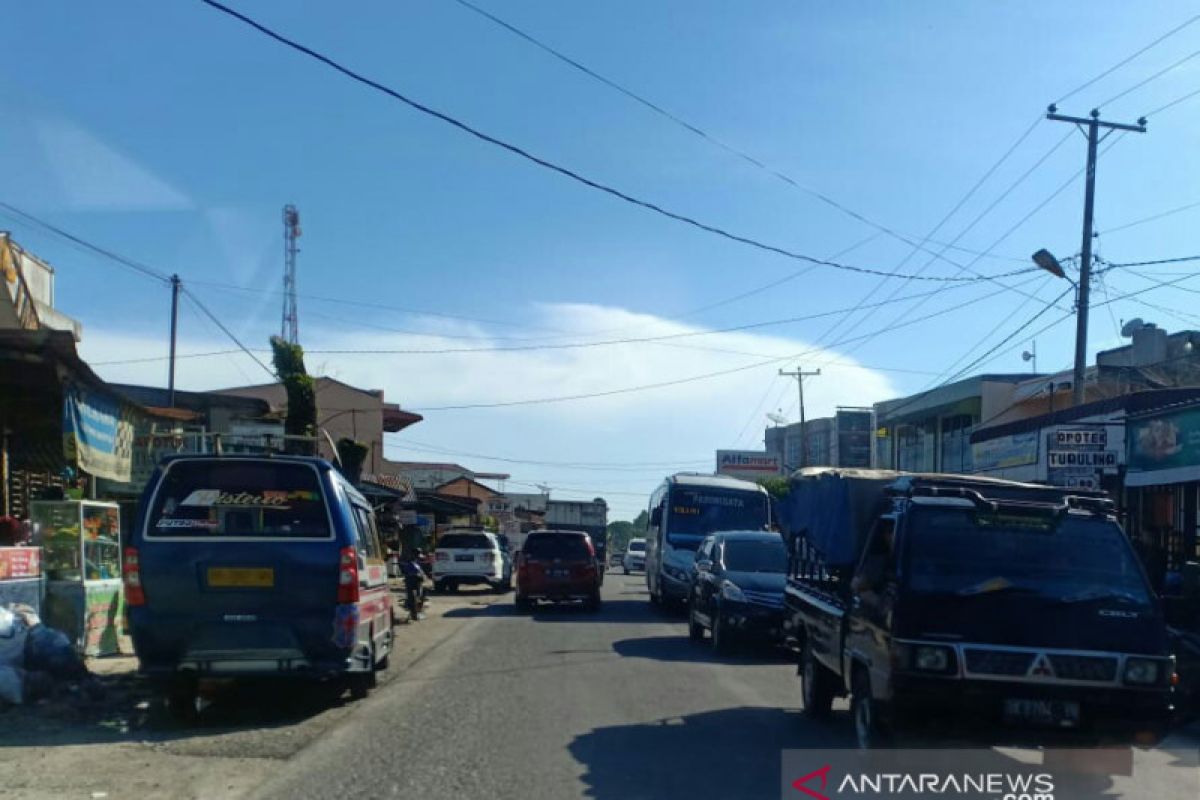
point(991, 609)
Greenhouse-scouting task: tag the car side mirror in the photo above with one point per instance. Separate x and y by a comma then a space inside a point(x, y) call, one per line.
point(656, 516)
point(704, 565)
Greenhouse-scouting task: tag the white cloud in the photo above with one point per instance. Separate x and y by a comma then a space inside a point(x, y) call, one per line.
point(92, 175)
point(685, 422)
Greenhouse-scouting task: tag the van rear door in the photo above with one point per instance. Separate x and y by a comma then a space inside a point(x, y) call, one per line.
point(239, 560)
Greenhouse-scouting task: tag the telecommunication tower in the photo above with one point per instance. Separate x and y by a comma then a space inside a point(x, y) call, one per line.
point(291, 231)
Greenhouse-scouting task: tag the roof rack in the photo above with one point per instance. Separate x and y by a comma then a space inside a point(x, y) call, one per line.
point(1100, 506)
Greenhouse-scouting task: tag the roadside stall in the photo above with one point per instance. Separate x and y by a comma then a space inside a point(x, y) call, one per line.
point(81, 541)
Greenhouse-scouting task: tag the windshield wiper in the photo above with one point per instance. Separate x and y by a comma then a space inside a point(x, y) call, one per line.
point(994, 586)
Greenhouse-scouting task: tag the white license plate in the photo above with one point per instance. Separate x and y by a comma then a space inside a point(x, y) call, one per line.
point(557, 573)
point(1054, 713)
point(467, 557)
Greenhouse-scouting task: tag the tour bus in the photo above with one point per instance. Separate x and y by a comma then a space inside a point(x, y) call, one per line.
point(683, 510)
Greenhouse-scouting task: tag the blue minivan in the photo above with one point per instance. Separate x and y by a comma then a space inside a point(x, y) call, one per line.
point(252, 565)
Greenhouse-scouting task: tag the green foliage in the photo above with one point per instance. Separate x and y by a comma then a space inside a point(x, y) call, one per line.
point(777, 486)
point(620, 532)
point(352, 455)
point(301, 390)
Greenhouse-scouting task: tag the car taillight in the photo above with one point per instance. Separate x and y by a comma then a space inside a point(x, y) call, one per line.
point(489, 556)
point(441, 556)
point(131, 574)
point(348, 576)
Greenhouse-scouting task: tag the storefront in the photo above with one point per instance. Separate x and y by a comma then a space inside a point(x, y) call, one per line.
point(1163, 488)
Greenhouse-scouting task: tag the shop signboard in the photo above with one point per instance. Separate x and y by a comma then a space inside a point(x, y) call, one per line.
point(20, 562)
point(748, 464)
point(1015, 450)
point(1170, 441)
point(97, 433)
point(1082, 459)
point(1071, 438)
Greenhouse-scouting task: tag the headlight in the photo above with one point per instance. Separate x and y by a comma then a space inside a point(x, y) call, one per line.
point(730, 591)
point(931, 659)
point(1143, 671)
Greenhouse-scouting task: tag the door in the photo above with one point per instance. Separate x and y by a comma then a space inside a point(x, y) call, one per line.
point(375, 601)
point(873, 593)
point(702, 580)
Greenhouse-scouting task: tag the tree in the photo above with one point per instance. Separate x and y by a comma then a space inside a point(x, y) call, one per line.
point(621, 531)
point(777, 486)
point(301, 390)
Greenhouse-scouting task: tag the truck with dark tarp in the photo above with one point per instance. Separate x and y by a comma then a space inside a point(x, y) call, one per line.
point(994, 609)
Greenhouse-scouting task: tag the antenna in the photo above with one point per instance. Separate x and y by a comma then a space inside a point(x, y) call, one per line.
point(778, 419)
point(1031, 355)
point(291, 231)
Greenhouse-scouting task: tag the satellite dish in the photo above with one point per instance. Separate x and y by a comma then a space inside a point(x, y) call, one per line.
point(1134, 325)
point(778, 419)
point(1027, 356)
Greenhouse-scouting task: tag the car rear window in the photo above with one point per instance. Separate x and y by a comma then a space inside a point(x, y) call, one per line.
point(637, 547)
point(556, 546)
point(239, 499)
point(465, 541)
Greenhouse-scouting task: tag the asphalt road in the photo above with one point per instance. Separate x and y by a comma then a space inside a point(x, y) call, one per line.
point(559, 704)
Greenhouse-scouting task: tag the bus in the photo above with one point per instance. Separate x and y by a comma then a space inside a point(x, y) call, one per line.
point(683, 510)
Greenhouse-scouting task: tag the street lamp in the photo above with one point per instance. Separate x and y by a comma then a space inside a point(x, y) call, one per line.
point(1045, 260)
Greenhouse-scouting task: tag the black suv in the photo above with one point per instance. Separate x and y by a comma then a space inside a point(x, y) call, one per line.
point(736, 587)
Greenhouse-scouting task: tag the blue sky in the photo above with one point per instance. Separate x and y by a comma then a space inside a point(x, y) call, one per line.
point(173, 135)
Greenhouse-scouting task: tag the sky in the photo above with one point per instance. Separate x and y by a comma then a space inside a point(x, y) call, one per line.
point(173, 135)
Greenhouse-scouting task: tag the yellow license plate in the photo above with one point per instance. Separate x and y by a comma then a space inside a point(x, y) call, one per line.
point(254, 577)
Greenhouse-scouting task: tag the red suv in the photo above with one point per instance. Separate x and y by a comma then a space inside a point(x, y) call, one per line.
point(558, 566)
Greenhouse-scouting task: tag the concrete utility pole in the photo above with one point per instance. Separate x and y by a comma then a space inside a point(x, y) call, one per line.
point(1093, 124)
point(290, 330)
point(174, 325)
point(800, 375)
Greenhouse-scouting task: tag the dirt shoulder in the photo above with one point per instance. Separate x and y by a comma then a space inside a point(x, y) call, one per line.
point(123, 745)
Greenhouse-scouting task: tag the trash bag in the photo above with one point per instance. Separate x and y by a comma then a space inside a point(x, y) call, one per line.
point(12, 682)
point(49, 650)
point(13, 634)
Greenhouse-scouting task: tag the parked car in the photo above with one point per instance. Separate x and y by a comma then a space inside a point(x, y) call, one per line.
point(736, 589)
point(469, 557)
point(244, 565)
point(558, 566)
point(635, 556)
point(1003, 611)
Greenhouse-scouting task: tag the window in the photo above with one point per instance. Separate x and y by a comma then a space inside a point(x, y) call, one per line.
point(754, 556)
point(556, 545)
point(368, 535)
point(466, 541)
point(239, 499)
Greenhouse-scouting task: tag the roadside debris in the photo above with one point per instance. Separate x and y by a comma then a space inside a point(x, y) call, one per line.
point(36, 661)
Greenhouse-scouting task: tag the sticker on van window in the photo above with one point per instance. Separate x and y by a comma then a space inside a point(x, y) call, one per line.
point(268, 498)
point(175, 522)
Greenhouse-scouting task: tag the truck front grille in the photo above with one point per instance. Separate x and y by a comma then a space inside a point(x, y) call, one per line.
point(997, 662)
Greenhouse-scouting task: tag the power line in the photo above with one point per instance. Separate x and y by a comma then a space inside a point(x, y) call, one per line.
point(227, 332)
point(407, 444)
point(1151, 218)
point(693, 378)
point(1153, 77)
point(550, 165)
point(1172, 104)
point(142, 269)
point(1127, 59)
point(711, 139)
point(1115, 265)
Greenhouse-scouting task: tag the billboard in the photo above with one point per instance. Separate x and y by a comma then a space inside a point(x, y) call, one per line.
point(748, 464)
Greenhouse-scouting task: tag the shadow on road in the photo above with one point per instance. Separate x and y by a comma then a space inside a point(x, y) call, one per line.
point(728, 753)
point(681, 648)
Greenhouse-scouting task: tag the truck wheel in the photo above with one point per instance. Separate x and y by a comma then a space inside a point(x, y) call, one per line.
point(695, 629)
point(626, 570)
point(523, 603)
point(869, 729)
point(817, 686)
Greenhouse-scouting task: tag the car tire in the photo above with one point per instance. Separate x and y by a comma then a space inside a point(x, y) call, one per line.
point(360, 684)
point(523, 603)
point(818, 685)
point(626, 570)
point(722, 638)
point(695, 629)
point(870, 731)
point(593, 603)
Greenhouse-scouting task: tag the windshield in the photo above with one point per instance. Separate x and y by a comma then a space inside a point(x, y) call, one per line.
point(747, 556)
point(231, 499)
point(637, 547)
point(1067, 558)
point(556, 546)
point(695, 513)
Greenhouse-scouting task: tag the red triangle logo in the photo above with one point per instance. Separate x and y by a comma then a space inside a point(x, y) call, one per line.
point(823, 774)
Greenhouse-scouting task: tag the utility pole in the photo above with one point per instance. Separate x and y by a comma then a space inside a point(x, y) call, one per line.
point(1091, 127)
point(800, 375)
point(174, 326)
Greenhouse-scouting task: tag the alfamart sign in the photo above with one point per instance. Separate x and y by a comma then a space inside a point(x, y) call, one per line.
point(747, 463)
